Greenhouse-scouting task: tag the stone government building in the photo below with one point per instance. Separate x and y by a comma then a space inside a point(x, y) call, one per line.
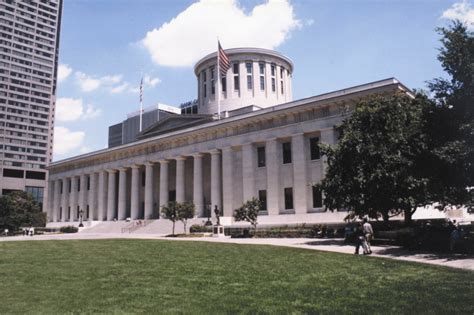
point(265, 145)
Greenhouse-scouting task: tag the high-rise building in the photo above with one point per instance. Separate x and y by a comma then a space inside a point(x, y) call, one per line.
point(29, 42)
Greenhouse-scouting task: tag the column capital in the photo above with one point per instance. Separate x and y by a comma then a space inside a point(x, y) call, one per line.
point(180, 158)
point(271, 139)
point(163, 161)
point(149, 163)
point(135, 166)
point(197, 155)
point(111, 171)
point(227, 149)
point(215, 152)
point(123, 169)
point(300, 134)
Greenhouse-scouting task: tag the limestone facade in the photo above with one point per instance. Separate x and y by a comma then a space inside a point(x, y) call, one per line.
point(269, 154)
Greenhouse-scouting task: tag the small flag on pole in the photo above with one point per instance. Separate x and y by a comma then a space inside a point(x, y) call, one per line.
point(224, 63)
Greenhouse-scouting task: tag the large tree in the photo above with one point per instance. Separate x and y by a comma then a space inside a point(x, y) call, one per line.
point(451, 121)
point(20, 209)
point(373, 170)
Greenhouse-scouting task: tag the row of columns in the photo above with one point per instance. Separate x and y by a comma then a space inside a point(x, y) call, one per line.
point(102, 191)
point(101, 196)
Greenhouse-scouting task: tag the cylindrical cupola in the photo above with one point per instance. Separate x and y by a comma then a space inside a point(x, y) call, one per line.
point(256, 76)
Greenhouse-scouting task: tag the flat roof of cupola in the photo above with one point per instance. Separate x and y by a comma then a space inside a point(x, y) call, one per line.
point(246, 50)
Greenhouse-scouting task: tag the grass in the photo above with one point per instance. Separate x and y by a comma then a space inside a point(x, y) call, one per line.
point(149, 276)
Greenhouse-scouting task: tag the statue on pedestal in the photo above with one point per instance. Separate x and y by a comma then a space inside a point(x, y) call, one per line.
point(217, 213)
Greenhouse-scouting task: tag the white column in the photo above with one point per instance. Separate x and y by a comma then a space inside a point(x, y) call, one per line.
point(122, 194)
point(111, 203)
point(92, 198)
point(148, 190)
point(180, 196)
point(163, 182)
point(82, 195)
point(135, 191)
point(198, 197)
point(102, 197)
point(273, 176)
point(64, 200)
point(216, 185)
point(227, 181)
point(328, 137)
point(73, 199)
point(248, 171)
point(56, 200)
point(300, 182)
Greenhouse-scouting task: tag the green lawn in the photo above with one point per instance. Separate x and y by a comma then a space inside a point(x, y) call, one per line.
point(148, 276)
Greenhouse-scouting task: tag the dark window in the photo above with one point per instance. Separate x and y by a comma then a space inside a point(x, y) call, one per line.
point(224, 84)
point(88, 183)
point(204, 90)
point(61, 187)
point(288, 198)
point(87, 212)
point(36, 192)
point(236, 83)
point(273, 85)
point(77, 212)
point(213, 87)
point(286, 146)
point(248, 65)
point(143, 179)
point(314, 148)
point(13, 173)
point(70, 185)
point(236, 68)
point(78, 184)
point(262, 196)
point(261, 156)
point(69, 212)
point(35, 175)
point(60, 213)
point(262, 83)
point(172, 195)
point(317, 198)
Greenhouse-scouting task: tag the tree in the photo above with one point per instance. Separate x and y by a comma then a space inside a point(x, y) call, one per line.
point(450, 123)
point(170, 212)
point(186, 211)
point(249, 212)
point(373, 170)
point(20, 209)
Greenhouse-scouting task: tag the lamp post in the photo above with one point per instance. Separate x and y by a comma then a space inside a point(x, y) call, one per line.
point(81, 212)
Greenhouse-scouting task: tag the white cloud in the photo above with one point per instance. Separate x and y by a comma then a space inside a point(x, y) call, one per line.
point(147, 80)
point(193, 33)
point(63, 72)
point(462, 11)
point(89, 83)
point(72, 109)
point(66, 141)
point(120, 88)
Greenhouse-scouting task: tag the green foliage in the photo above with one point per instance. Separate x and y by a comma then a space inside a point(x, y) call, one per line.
point(176, 211)
point(249, 212)
point(196, 228)
point(20, 209)
point(373, 169)
point(186, 211)
point(68, 229)
point(451, 121)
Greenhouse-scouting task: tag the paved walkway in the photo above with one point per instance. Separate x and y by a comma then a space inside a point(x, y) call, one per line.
point(330, 245)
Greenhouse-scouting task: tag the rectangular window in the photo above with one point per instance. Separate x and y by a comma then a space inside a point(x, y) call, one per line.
point(272, 68)
point(78, 184)
point(262, 83)
point(204, 76)
point(236, 83)
point(224, 84)
point(143, 179)
point(213, 82)
point(314, 148)
point(282, 88)
point(204, 90)
point(261, 66)
point(61, 187)
point(282, 70)
point(88, 183)
point(60, 213)
point(262, 196)
point(273, 85)
point(87, 212)
point(235, 68)
point(317, 198)
point(248, 66)
point(70, 185)
point(286, 147)
point(249, 82)
point(261, 156)
point(172, 195)
point(288, 198)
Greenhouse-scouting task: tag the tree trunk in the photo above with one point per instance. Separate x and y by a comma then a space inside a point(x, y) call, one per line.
point(184, 224)
point(173, 227)
point(385, 217)
point(408, 213)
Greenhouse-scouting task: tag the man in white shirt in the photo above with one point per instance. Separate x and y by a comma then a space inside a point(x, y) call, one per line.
point(369, 234)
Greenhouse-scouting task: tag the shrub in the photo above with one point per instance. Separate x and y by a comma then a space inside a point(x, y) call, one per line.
point(68, 229)
point(196, 228)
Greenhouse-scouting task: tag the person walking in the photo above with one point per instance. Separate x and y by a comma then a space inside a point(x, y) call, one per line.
point(368, 233)
point(360, 239)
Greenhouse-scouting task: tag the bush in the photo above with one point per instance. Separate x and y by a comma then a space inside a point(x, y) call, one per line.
point(68, 229)
point(196, 228)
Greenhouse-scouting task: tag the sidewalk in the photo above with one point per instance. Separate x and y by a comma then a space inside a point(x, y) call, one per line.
point(330, 245)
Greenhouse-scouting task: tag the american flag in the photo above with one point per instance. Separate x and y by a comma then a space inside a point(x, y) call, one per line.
point(224, 63)
point(141, 90)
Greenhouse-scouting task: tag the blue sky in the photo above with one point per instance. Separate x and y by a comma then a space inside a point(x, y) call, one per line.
point(107, 46)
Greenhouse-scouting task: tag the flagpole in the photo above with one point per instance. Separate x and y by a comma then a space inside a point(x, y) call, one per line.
point(141, 105)
point(218, 95)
